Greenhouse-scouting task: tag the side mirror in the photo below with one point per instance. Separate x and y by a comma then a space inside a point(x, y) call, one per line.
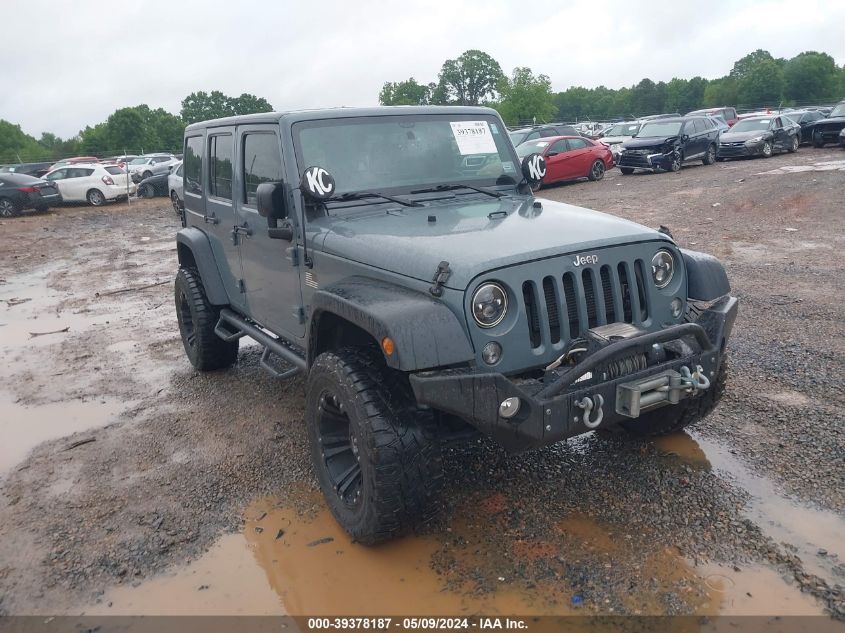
point(685, 138)
point(534, 168)
point(271, 200)
point(550, 154)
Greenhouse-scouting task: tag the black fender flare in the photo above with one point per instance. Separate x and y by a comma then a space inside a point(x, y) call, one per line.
point(192, 241)
point(425, 332)
point(706, 277)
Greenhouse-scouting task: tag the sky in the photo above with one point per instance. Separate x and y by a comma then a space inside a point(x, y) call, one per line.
point(72, 63)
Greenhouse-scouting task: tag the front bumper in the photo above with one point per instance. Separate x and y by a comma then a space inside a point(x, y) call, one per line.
point(549, 411)
point(645, 160)
point(735, 150)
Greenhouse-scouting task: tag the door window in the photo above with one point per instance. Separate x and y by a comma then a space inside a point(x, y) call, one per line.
point(778, 124)
point(79, 172)
point(193, 165)
point(559, 147)
point(261, 163)
point(220, 166)
point(59, 174)
point(576, 143)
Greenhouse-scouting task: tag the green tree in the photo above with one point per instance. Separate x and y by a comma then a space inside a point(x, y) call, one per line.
point(202, 106)
point(407, 92)
point(16, 145)
point(747, 65)
point(525, 97)
point(811, 77)
point(720, 92)
point(250, 104)
point(470, 79)
point(761, 87)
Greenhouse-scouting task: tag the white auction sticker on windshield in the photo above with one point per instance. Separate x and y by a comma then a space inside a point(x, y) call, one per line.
point(473, 137)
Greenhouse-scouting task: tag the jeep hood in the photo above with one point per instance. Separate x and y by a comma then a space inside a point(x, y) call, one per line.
point(474, 237)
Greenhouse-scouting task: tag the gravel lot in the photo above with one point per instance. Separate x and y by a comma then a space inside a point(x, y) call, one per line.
point(743, 514)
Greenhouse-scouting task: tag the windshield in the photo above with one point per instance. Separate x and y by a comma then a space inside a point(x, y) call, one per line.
point(838, 110)
point(650, 130)
point(403, 152)
point(517, 137)
point(623, 129)
point(537, 146)
point(138, 161)
point(751, 125)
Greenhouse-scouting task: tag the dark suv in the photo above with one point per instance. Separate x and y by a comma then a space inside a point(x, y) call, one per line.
point(398, 259)
point(827, 130)
point(668, 143)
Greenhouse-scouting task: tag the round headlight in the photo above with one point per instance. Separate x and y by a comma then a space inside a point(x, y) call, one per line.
point(662, 268)
point(489, 304)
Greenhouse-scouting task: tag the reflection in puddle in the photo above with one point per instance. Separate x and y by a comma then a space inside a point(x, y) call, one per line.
point(226, 581)
point(24, 427)
point(755, 591)
point(805, 529)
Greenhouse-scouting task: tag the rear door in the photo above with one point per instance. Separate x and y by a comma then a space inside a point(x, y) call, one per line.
point(270, 271)
point(580, 159)
point(780, 133)
point(220, 214)
point(79, 182)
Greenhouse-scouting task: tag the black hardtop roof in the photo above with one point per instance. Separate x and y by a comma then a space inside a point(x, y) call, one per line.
point(337, 113)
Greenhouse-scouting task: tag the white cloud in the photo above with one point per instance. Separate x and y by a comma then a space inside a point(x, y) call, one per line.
point(76, 62)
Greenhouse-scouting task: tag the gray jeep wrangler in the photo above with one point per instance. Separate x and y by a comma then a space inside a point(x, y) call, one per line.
point(397, 258)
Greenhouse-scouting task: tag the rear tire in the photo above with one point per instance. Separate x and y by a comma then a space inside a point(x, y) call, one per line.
point(710, 156)
point(147, 174)
point(378, 471)
point(670, 419)
point(8, 208)
point(197, 320)
point(794, 146)
point(596, 171)
point(95, 198)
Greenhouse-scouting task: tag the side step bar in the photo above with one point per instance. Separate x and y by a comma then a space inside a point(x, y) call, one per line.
point(232, 326)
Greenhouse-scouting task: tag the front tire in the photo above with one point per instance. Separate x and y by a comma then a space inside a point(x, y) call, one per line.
point(767, 149)
point(626, 171)
point(197, 320)
point(596, 171)
point(95, 198)
point(379, 473)
point(670, 419)
point(675, 166)
point(818, 140)
point(147, 191)
point(147, 174)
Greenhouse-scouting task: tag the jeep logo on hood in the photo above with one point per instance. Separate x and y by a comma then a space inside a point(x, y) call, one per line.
point(317, 183)
point(583, 260)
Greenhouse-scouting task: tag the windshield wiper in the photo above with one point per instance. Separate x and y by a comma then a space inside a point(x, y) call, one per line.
point(458, 185)
point(360, 195)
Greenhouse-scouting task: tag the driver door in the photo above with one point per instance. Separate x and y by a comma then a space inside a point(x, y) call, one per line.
point(557, 161)
point(270, 270)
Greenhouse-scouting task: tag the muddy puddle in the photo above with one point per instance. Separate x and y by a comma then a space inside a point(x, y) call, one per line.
point(816, 536)
point(298, 561)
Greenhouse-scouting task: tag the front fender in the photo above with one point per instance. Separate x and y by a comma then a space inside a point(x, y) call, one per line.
point(425, 332)
point(706, 277)
point(194, 249)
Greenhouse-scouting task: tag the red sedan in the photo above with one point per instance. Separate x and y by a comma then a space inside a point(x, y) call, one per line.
point(569, 157)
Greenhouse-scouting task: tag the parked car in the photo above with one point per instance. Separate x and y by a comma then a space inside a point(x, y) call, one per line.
point(176, 186)
point(149, 165)
point(760, 136)
point(477, 307)
point(520, 136)
point(728, 113)
point(93, 183)
point(669, 143)
point(827, 130)
point(569, 158)
point(652, 117)
point(617, 134)
point(153, 186)
point(73, 161)
point(842, 138)
point(20, 191)
point(27, 169)
point(120, 161)
point(720, 123)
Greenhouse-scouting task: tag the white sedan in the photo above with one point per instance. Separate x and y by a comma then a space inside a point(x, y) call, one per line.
point(93, 183)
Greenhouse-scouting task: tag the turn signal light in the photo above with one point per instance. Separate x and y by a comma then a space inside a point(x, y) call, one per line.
point(387, 345)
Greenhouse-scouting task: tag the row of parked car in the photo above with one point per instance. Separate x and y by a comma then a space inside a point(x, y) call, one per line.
point(88, 179)
point(667, 141)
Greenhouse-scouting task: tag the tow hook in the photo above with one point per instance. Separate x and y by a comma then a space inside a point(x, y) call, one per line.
point(588, 405)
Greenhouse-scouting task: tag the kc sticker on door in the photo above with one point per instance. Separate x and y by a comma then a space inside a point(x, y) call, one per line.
point(473, 137)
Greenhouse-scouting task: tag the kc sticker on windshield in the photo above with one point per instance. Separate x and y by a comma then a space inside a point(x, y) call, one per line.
point(473, 137)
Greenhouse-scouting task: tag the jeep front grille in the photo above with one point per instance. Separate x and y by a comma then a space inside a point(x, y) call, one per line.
point(564, 307)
